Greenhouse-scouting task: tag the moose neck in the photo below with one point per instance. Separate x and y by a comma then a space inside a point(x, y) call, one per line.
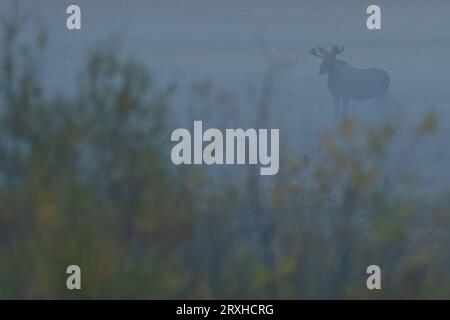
point(334, 70)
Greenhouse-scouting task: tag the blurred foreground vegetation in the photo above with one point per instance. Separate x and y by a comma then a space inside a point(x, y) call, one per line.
point(88, 181)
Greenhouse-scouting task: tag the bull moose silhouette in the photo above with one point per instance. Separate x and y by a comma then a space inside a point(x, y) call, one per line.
point(347, 83)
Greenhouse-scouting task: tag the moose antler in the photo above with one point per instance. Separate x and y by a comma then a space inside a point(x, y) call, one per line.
point(322, 51)
point(336, 50)
point(315, 54)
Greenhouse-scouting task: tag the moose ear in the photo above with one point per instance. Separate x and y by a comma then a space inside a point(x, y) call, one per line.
point(322, 50)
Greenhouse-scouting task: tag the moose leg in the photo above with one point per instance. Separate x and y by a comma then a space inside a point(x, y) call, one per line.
point(382, 104)
point(345, 103)
point(380, 107)
point(337, 104)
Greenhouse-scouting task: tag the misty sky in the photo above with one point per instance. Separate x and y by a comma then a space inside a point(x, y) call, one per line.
point(194, 39)
point(217, 38)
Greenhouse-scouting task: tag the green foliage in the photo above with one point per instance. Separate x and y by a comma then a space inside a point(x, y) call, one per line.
point(87, 181)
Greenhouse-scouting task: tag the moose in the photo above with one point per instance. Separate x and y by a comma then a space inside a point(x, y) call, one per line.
point(347, 83)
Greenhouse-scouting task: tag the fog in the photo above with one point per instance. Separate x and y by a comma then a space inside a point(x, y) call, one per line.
point(188, 41)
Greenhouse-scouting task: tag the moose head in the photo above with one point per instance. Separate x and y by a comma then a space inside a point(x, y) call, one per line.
point(328, 58)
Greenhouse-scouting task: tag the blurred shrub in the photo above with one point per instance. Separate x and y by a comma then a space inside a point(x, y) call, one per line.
point(87, 181)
